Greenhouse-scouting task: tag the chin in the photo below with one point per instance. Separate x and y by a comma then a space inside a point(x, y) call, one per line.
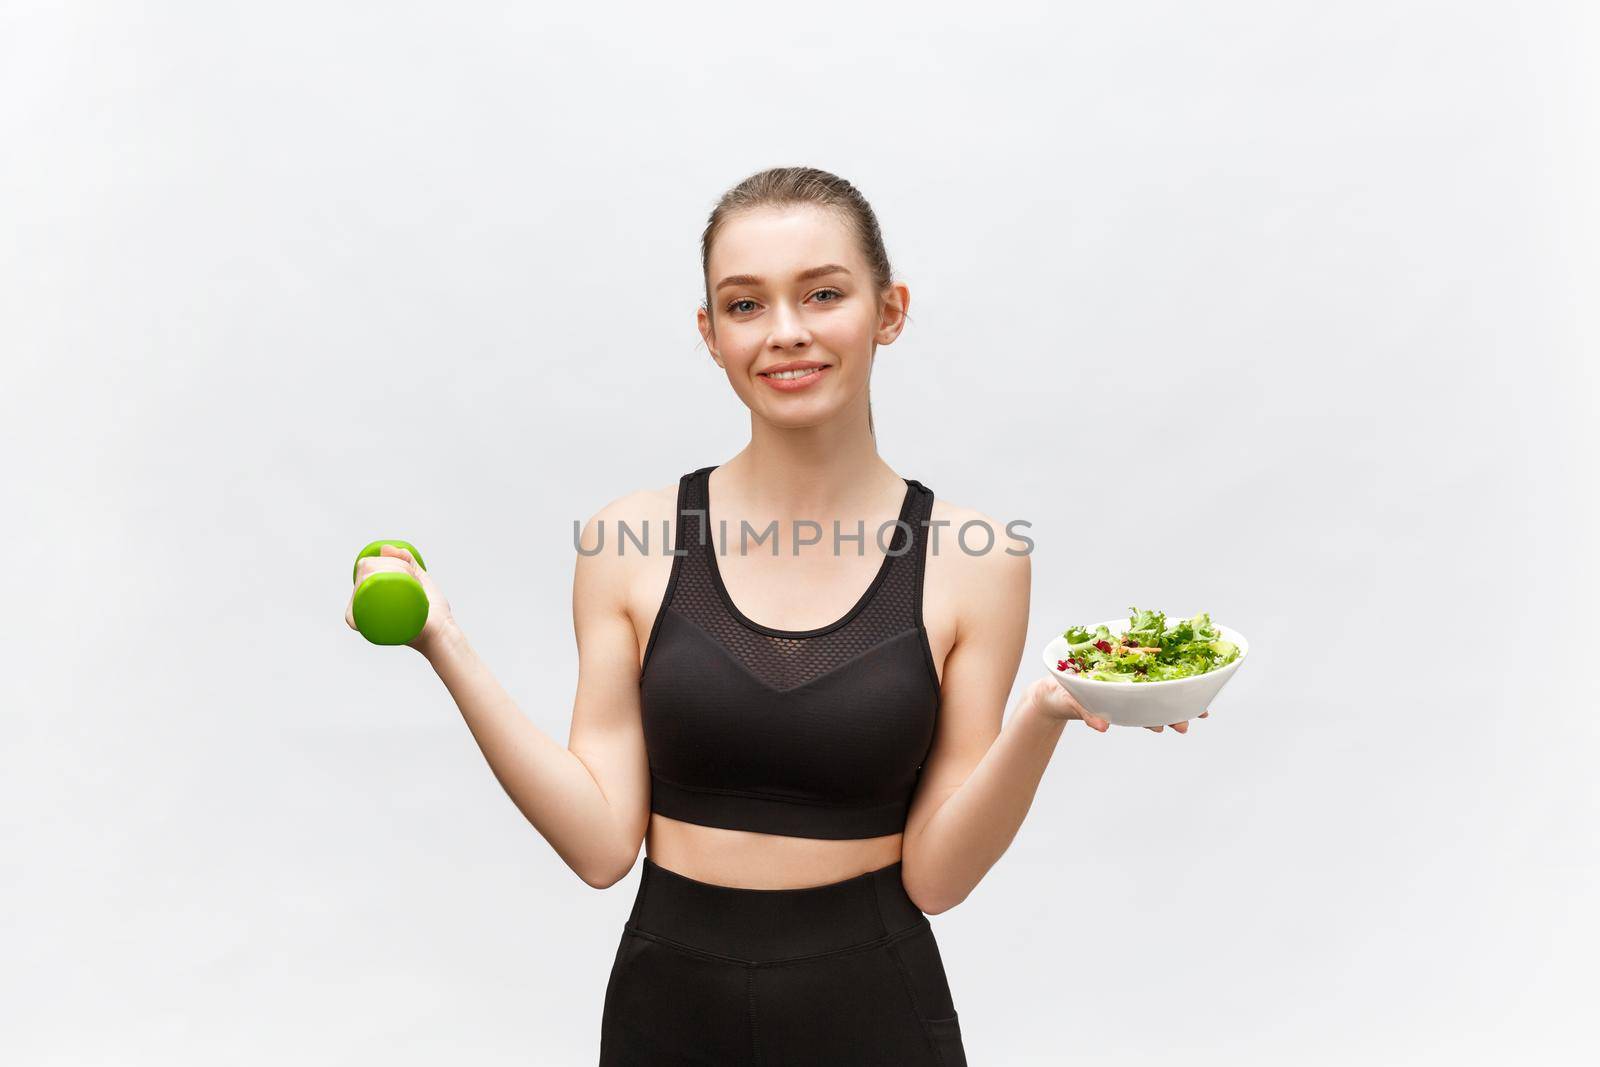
point(800, 420)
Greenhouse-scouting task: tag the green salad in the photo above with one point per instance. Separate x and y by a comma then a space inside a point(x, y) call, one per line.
point(1149, 650)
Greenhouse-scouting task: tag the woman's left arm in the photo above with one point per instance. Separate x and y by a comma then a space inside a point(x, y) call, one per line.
point(979, 779)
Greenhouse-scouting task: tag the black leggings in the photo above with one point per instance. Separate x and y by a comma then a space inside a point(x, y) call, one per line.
point(844, 973)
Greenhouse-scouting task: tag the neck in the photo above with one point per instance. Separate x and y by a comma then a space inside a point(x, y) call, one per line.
point(810, 471)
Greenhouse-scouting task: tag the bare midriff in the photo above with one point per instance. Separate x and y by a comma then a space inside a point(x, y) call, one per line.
point(744, 859)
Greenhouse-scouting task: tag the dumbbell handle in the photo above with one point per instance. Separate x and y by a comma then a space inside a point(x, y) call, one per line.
point(390, 607)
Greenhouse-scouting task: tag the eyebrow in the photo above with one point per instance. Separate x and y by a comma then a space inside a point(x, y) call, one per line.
point(803, 276)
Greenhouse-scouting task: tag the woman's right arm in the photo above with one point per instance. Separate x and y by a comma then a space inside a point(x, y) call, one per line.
point(590, 800)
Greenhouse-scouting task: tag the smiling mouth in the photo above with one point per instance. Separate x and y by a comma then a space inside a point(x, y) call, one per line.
point(793, 369)
point(791, 375)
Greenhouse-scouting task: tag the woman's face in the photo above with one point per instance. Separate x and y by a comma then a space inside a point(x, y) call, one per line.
point(790, 286)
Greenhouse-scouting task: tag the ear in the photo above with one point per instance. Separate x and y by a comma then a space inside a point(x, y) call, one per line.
point(892, 316)
point(708, 336)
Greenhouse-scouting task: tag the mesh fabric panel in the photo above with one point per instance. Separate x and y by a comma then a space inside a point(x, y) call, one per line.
point(787, 659)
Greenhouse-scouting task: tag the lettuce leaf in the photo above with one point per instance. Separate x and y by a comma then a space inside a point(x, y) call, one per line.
point(1183, 649)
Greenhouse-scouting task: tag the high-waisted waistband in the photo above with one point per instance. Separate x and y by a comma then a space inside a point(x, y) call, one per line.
point(767, 925)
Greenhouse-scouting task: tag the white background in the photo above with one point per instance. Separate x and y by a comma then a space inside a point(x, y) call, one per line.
point(1316, 280)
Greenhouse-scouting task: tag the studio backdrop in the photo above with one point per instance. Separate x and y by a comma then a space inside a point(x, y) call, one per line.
point(1280, 311)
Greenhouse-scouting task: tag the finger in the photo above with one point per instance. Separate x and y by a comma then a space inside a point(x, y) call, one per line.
point(1068, 701)
point(1157, 729)
point(410, 561)
point(1094, 722)
point(367, 566)
point(1181, 727)
point(396, 550)
point(1203, 714)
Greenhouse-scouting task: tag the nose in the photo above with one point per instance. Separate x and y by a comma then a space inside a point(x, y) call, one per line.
point(788, 331)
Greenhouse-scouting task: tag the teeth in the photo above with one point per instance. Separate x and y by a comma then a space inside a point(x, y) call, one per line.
point(785, 375)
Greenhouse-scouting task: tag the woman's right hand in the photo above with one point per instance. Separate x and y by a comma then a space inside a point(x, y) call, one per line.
point(392, 558)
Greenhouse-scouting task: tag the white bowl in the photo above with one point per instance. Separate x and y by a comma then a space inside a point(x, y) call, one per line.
point(1144, 703)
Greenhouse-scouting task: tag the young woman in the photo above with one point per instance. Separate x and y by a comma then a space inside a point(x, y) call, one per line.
point(798, 709)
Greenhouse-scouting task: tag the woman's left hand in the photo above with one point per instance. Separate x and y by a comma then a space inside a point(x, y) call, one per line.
point(1055, 702)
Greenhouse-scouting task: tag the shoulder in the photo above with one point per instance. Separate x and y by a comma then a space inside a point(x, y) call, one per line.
point(627, 521)
point(975, 542)
point(983, 572)
point(634, 508)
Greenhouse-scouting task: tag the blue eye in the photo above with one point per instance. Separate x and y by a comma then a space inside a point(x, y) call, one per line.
point(733, 305)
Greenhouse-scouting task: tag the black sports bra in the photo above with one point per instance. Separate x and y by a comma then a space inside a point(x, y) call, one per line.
point(806, 733)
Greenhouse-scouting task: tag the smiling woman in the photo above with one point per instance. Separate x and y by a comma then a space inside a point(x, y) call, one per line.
point(769, 212)
point(794, 737)
point(775, 917)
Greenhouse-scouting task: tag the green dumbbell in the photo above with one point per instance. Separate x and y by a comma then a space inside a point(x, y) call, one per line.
point(390, 607)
